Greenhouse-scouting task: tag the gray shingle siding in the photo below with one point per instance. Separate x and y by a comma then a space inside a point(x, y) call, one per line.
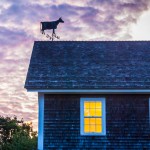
point(127, 123)
point(89, 65)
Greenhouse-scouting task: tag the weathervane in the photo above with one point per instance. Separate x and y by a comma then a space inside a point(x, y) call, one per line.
point(51, 25)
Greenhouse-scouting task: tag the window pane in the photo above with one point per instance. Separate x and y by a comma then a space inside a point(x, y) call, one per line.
point(86, 121)
point(98, 121)
point(92, 105)
point(92, 128)
point(98, 112)
point(98, 105)
point(92, 121)
point(86, 112)
point(86, 105)
point(92, 112)
point(99, 128)
point(86, 128)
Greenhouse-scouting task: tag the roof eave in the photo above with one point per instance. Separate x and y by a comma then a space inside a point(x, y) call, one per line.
point(91, 91)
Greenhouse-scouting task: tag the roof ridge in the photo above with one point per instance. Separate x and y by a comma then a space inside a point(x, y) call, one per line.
point(97, 41)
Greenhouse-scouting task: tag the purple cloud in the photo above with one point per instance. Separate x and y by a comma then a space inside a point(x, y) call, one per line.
point(13, 36)
point(20, 26)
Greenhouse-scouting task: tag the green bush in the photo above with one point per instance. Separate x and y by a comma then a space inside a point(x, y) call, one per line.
point(16, 135)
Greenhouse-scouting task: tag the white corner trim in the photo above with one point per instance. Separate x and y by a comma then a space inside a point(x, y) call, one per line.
point(41, 121)
point(91, 91)
point(149, 111)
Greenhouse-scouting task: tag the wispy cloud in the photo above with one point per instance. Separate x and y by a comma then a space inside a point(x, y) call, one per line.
point(20, 26)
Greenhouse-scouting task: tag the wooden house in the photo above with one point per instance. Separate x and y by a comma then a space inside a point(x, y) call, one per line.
point(91, 94)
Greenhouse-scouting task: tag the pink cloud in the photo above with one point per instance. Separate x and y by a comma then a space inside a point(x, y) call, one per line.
point(20, 25)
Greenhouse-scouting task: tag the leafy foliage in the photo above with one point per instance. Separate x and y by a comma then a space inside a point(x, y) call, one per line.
point(16, 135)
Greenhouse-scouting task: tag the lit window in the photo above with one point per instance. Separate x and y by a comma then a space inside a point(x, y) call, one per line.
point(93, 118)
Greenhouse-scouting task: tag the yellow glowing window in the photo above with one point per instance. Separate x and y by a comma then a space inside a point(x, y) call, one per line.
point(93, 116)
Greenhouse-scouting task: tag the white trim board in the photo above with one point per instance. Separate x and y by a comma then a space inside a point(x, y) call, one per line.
point(40, 121)
point(87, 91)
point(149, 111)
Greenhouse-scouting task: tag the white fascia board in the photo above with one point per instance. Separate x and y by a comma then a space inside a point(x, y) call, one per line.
point(78, 91)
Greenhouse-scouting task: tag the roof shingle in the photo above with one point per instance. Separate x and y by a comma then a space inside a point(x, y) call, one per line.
point(89, 65)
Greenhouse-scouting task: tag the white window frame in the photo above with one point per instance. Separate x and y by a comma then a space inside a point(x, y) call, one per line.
point(103, 133)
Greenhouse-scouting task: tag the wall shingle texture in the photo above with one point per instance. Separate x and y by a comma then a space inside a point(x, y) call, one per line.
point(127, 123)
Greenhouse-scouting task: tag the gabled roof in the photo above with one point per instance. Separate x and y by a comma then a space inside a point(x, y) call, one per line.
point(89, 65)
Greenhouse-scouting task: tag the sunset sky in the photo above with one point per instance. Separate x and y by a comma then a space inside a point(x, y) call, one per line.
point(84, 20)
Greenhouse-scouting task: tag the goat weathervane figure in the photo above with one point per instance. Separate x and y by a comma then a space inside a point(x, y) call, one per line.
point(51, 25)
